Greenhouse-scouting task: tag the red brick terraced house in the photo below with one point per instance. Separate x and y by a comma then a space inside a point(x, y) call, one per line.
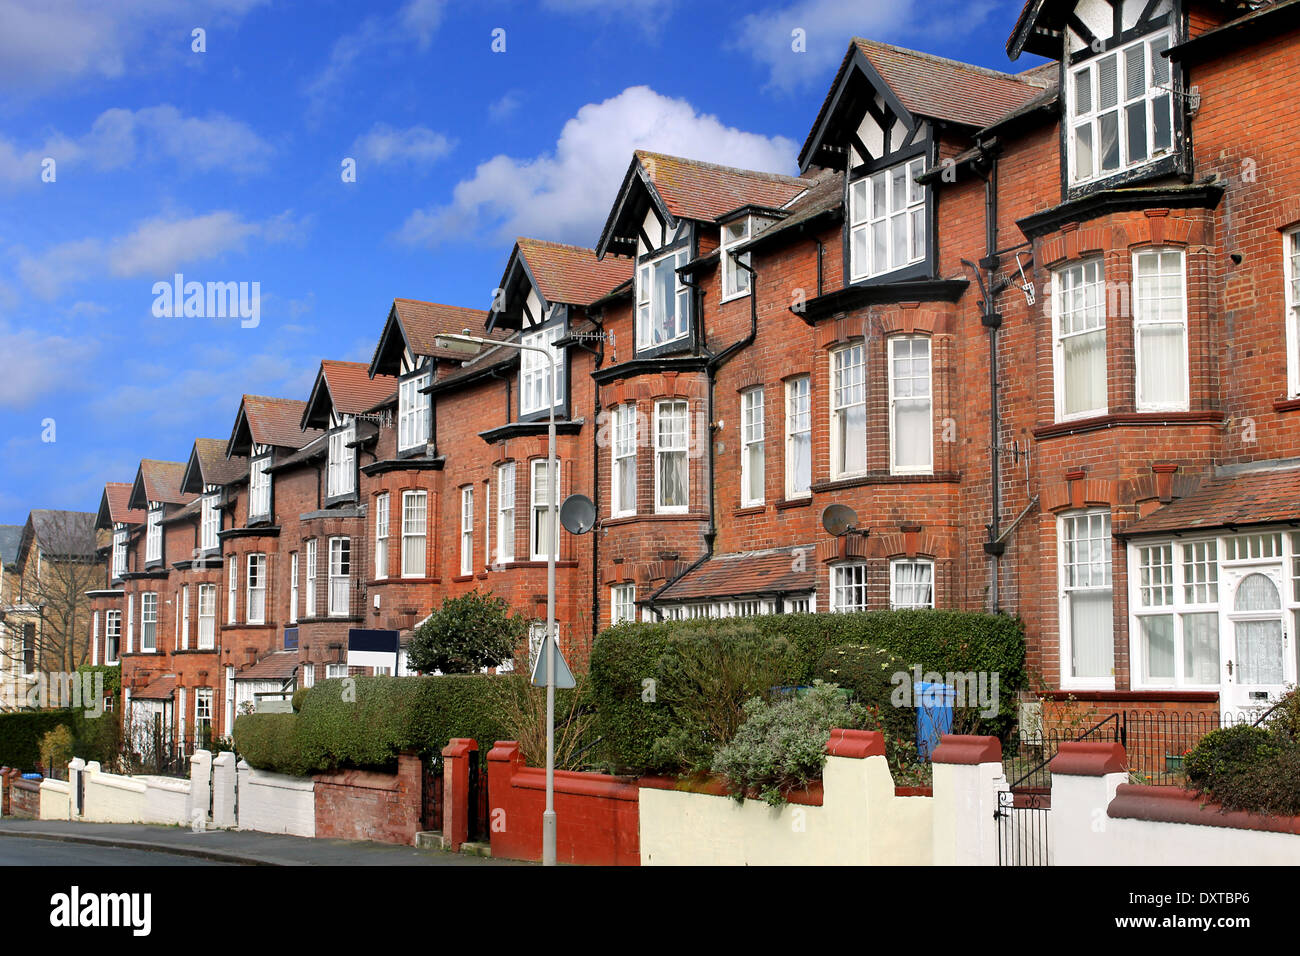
point(108, 604)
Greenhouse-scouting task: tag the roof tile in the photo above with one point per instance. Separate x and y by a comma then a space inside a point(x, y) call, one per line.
point(571, 274)
point(693, 189)
point(1224, 501)
point(749, 572)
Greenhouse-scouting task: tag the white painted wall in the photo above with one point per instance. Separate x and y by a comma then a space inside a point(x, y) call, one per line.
point(860, 822)
point(54, 800)
point(965, 798)
point(276, 803)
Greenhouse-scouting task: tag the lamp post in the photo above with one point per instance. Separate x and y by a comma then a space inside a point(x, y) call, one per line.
point(461, 343)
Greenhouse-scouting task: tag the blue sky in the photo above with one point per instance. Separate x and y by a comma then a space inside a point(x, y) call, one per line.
point(225, 165)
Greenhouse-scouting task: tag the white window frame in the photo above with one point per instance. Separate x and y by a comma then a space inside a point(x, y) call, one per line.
point(415, 527)
point(735, 279)
point(255, 585)
point(505, 512)
point(185, 618)
point(680, 325)
point(798, 422)
point(1064, 284)
point(842, 400)
point(1142, 321)
point(119, 552)
point(112, 636)
point(311, 572)
point(413, 411)
point(259, 488)
point(207, 633)
point(623, 448)
point(467, 530)
point(1091, 118)
point(622, 603)
point(896, 401)
point(202, 711)
point(232, 590)
point(674, 443)
point(753, 445)
point(1172, 592)
point(847, 577)
point(1291, 293)
point(538, 508)
point(895, 598)
point(381, 536)
point(1066, 590)
point(341, 471)
point(869, 219)
point(130, 624)
point(210, 521)
point(153, 535)
point(340, 579)
point(293, 587)
point(307, 674)
point(335, 671)
point(535, 370)
point(149, 622)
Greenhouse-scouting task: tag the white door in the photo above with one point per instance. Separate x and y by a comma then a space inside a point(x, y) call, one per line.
point(1259, 656)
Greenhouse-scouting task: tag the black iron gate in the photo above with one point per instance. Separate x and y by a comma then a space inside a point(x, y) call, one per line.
point(431, 794)
point(1021, 819)
point(478, 802)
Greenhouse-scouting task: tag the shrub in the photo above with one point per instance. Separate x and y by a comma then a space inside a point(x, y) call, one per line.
point(467, 633)
point(296, 701)
point(1256, 769)
point(269, 742)
point(521, 709)
point(21, 733)
point(628, 662)
point(1285, 720)
point(57, 747)
point(781, 746)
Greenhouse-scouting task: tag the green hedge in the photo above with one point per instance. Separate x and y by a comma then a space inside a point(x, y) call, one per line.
point(21, 733)
point(1256, 769)
point(365, 722)
point(624, 658)
point(94, 738)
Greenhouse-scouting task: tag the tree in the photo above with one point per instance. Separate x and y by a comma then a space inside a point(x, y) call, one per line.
point(466, 634)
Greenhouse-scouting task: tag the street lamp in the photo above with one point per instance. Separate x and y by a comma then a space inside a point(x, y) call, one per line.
point(467, 344)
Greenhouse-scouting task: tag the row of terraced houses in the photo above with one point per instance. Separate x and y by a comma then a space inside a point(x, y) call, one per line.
point(1038, 331)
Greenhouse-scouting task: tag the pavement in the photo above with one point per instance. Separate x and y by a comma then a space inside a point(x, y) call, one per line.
point(230, 846)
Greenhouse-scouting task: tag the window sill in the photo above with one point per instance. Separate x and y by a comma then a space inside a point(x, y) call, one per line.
point(1076, 426)
point(801, 502)
point(381, 582)
point(1287, 404)
point(885, 478)
point(745, 510)
point(462, 578)
point(675, 516)
point(535, 563)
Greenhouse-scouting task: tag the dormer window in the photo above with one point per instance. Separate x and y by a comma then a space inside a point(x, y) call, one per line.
point(735, 278)
point(662, 301)
point(535, 393)
point(1120, 110)
point(413, 412)
point(259, 489)
point(341, 470)
point(119, 552)
point(153, 536)
point(887, 229)
point(210, 521)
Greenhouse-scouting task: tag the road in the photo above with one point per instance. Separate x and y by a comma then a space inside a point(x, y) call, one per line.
point(25, 851)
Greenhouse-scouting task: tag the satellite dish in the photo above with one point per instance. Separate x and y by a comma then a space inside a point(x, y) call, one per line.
point(839, 519)
point(578, 514)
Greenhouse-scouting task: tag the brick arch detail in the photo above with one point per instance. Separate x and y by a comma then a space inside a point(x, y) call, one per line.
point(1080, 492)
point(1156, 227)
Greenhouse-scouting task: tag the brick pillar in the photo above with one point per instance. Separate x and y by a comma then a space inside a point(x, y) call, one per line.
point(410, 793)
point(223, 795)
point(456, 757)
point(503, 761)
point(1085, 776)
point(967, 778)
point(4, 791)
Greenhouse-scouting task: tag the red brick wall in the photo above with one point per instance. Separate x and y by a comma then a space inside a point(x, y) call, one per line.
point(365, 805)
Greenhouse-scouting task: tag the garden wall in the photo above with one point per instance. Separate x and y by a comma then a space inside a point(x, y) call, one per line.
point(364, 805)
point(276, 802)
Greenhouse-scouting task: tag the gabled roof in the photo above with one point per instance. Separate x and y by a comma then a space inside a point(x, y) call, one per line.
point(158, 481)
point(344, 387)
point(415, 325)
point(691, 189)
point(1228, 500)
point(1038, 27)
point(10, 536)
point(114, 507)
point(745, 573)
point(822, 203)
point(61, 534)
point(318, 447)
point(560, 273)
point(209, 465)
point(268, 421)
point(923, 86)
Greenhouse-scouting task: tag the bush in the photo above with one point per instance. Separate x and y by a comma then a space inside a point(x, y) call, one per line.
point(1247, 768)
point(466, 634)
point(298, 696)
point(781, 746)
point(57, 748)
point(21, 733)
point(521, 709)
point(629, 660)
point(269, 742)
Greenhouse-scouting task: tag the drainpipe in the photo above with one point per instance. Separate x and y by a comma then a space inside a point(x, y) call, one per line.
point(995, 546)
point(595, 491)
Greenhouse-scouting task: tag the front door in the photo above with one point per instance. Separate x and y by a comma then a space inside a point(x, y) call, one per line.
point(1259, 653)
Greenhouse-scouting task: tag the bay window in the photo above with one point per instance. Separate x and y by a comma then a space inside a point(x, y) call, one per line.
point(623, 470)
point(210, 522)
point(259, 488)
point(340, 576)
point(1079, 321)
point(232, 590)
point(381, 536)
point(849, 586)
point(735, 277)
point(341, 469)
point(119, 552)
point(293, 587)
point(1176, 613)
point(153, 535)
point(752, 471)
point(1087, 607)
point(1291, 273)
point(207, 617)
point(415, 512)
point(542, 531)
point(184, 643)
point(1160, 329)
point(622, 605)
point(310, 594)
point(848, 411)
point(505, 512)
point(148, 622)
point(887, 228)
point(255, 612)
point(535, 370)
point(413, 416)
point(112, 636)
point(662, 301)
point(672, 466)
point(1120, 110)
point(911, 438)
point(798, 437)
point(911, 583)
point(467, 530)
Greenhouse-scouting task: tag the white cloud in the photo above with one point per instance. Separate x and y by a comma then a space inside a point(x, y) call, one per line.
point(37, 364)
point(828, 25)
point(650, 15)
point(154, 249)
point(120, 137)
point(565, 193)
point(418, 145)
point(49, 43)
point(505, 107)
